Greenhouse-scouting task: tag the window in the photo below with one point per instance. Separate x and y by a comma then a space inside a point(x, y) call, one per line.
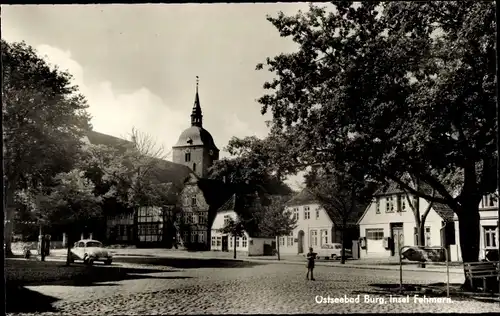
point(289, 241)
point(403, 204)
point(244, 242)
point(194, 236)
point(150, 231)
point(237, 242)
point(230, 242)
point(185, 236)
point(194, 167)
point(296, 213)
point(227, 219)
point(81, 244)
point(375, 234)
point(389, 204)
point(490, 236)
point(202, 218)
point(307, 213)
point(193, 201)
point(194, 218)
point(213, 241)
point(219, 241)
point(377, 210)
point(187, 157)
point(201, 236)
point(427, 236)
point(188, 217)
point(324, 236)
point(314, 238)
point(317, 213)
point(282, 241)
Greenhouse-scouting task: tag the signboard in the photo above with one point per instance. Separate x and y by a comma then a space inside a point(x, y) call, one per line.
point(296, 240)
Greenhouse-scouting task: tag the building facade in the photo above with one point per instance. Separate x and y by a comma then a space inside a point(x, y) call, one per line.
point(388, 224)
point(315, 226)
point(250, 244)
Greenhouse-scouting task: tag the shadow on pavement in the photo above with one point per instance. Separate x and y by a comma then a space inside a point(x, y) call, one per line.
point(21, 300)
point(19, 272)
point(430, 290)
point(191, 263)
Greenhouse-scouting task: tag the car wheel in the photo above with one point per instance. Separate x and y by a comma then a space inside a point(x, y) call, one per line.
point(334, 257)
point(327, 258)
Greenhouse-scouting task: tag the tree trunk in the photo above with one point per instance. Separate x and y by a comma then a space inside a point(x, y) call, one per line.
point(41, 243)
point(342, 237)
point(468, 223)
point(278, 248)
point(10, 210)
point(234, 247)
point(68, 253)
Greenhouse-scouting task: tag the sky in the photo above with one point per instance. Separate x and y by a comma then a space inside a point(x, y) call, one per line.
point(137, 64)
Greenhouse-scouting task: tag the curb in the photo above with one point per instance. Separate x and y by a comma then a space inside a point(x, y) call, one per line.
point(324, 264)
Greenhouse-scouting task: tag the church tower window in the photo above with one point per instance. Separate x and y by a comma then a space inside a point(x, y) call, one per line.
point(187, 157)
point(194, 166)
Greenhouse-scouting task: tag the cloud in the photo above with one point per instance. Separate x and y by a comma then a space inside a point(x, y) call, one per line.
point(117, 113)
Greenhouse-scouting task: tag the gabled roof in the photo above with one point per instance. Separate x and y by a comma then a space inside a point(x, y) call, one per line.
point(443, 210)
point(237, 203)
point(304, 197)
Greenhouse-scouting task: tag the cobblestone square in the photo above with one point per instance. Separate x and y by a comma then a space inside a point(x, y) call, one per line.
point(263, 288)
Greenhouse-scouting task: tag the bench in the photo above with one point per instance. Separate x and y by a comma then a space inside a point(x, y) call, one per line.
point(481, 270)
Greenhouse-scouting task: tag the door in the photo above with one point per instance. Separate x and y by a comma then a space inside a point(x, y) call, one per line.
point(224, 243)
point(300, 242)
point(397, 239)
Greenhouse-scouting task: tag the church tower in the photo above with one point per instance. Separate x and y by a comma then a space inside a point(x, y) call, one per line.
point(195, 147)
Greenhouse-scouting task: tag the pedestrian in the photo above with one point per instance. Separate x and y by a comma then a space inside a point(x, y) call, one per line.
point(310, 263)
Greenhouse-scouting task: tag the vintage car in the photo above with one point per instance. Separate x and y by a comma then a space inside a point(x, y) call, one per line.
point(89, 250)
point(332, 251)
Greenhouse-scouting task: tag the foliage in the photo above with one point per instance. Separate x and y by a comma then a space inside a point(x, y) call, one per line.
point(276, 219)
point(342, 192)
point(394, 87)
point(69, 202)
point(128, 173)
point(256, 162)
point(44, 118)
point(235, 228)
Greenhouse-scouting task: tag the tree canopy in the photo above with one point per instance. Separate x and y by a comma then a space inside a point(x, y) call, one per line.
point(44, 118)
point(256, 162)
point(394, 87)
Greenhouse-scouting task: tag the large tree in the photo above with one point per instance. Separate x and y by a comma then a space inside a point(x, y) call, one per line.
point(255, 162)
point(395, 87)
point(44, 119)
point(343, 192)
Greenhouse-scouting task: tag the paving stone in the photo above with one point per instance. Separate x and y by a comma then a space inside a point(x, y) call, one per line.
point(273, 288)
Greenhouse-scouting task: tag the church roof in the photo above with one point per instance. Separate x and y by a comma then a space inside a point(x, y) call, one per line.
point(196, 136)
point(165, 172)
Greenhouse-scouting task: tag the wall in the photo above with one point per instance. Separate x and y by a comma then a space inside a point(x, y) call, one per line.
point(322, 222)
point(382, 220)
point(256, 246)
point(488, 217)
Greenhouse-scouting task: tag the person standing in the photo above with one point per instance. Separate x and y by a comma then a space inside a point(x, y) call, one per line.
point(311, 256)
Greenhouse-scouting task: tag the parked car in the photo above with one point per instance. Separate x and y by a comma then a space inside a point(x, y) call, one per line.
point(332, 251)
point(89, 250)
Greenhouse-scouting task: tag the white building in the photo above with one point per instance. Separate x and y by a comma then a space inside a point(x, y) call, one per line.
point(488, 228)
point(249, 244)
point(388, 223)
point(315, 226)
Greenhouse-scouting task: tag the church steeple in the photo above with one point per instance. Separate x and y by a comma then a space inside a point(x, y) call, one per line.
point(196, 116)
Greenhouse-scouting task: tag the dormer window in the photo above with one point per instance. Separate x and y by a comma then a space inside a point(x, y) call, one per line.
point(189, 140)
